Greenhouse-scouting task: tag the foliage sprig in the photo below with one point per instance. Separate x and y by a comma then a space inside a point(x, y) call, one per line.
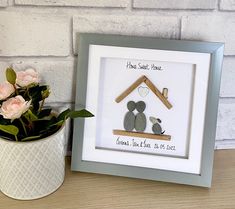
point(23, 116)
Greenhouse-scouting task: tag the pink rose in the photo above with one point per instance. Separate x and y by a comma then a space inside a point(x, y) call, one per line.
point(27, 77)
point(14, 107)
point(6, 89)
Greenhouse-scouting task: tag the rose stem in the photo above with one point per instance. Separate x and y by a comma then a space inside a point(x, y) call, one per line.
point(26, 92)
point(23, 126)
point(41, 106)
point(15, 89)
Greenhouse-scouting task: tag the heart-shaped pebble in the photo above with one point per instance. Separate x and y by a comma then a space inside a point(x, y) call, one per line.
point(143, 91)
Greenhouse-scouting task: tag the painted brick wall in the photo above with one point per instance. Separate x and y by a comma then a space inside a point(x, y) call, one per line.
point(42, 34)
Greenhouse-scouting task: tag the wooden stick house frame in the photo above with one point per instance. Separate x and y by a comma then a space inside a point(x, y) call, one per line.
point(163, 98)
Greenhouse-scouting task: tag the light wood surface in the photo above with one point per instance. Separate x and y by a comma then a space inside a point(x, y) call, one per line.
point(142, 135)
point(93, 191)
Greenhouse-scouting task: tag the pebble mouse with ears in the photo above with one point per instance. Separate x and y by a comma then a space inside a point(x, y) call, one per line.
point(156, 128)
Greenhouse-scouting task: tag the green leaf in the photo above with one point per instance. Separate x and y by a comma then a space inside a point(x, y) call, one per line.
point(50, 131)
point(10, 129)
point(74, 114)
point(11, 76)
point(35, 92)
point(59, 123)
point(41, 126)
point(63, 115)
point(80, 114)
point(44, 127)
point(30, 138)
point(45, 93)
point(30, 116)
point(4, 121)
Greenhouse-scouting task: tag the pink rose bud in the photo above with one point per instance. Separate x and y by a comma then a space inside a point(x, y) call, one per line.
point(14, 107)
point(27, 77)
point(6, 89)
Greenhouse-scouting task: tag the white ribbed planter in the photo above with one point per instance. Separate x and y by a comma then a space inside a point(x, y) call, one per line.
point(31, 170)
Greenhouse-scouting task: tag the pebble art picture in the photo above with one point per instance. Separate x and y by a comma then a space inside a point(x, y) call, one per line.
point(135, 120)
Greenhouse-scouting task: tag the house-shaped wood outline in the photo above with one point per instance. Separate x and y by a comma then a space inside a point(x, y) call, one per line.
point(153, 88)
point(163, 99)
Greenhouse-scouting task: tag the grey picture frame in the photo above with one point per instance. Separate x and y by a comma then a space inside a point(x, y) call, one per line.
point(216, 52)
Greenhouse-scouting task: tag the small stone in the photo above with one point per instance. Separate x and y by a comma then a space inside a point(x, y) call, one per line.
point(153, 120)
point(140, 106)
point(129, 121)
point(157, 129)
point(143, 91)
point(140, 122)
point(159, 120)
point(131, 106)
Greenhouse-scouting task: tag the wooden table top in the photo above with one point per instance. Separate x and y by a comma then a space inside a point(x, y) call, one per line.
point(86, 191)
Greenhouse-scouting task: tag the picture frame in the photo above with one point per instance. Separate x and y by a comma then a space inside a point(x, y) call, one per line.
point(155, 103)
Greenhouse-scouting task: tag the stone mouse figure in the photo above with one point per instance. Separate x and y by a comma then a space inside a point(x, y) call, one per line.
point(156, 128)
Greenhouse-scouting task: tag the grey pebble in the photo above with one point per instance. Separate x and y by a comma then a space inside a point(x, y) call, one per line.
point(157, 129)
point(153, 119)
point(140, 122)
point(129, 121)
point(140, 106)
point(159, 120)
point(131, 106)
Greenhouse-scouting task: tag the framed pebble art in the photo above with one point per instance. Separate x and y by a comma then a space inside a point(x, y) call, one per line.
point(155, 105)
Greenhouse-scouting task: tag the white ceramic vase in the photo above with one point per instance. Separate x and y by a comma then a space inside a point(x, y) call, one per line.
point(31, 170)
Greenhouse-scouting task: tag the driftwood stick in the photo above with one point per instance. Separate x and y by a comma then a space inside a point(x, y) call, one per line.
point(158, 93)
point(130, 89)
point(142, 135)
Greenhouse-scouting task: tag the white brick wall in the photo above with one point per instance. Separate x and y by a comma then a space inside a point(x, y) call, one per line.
point(227, 5)
point(3, 3)
point(42, 34)
point(228, 78)
point(226, 120)
point(157, 26)
point(59, 74)
point(29, 34)
point(175, 4)
point(213, 27)
point(84, 3)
